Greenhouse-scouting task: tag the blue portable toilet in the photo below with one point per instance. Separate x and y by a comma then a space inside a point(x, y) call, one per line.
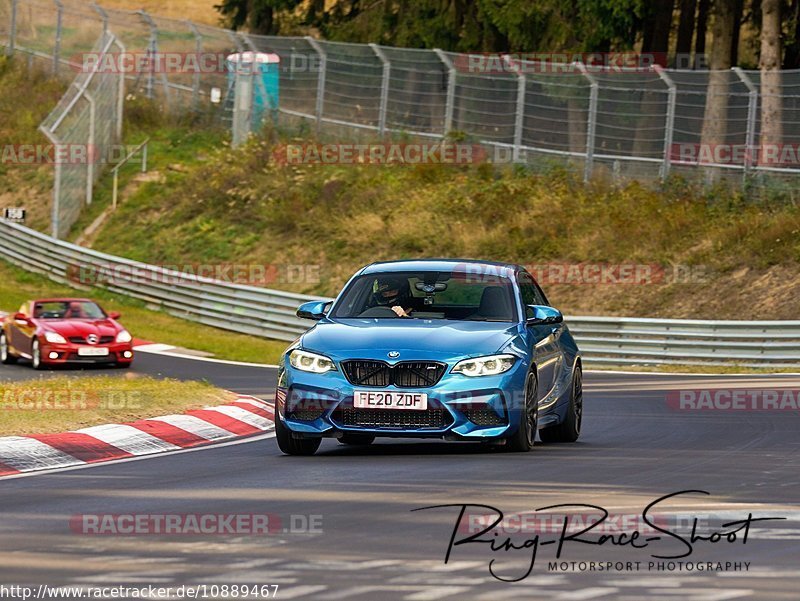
point(265, 69)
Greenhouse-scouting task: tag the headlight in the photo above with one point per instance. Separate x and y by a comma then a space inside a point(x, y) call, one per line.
point(485, 366)
point(54, 337)
point(124, 336)
point(306, 361)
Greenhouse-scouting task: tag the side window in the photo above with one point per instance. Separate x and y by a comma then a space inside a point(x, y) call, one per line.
point(531, 294)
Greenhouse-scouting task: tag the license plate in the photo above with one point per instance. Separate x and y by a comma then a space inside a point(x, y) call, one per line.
point(92, 351)
point(390, 399)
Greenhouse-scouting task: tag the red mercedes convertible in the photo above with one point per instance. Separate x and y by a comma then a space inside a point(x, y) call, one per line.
point(56, 331)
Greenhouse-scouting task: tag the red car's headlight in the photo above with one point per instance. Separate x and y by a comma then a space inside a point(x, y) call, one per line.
point(124, 336)
point(54, 338)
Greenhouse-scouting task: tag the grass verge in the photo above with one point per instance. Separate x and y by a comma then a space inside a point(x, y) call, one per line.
point(69, 403)
point(19, 286)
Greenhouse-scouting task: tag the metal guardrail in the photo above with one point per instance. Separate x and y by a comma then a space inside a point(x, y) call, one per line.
point(271, 313)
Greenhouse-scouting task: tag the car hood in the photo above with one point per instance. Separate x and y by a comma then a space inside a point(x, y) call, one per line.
point(413, 339)
point(80, 327)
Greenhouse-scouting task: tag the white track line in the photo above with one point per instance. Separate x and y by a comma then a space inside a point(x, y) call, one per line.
point(129, 439)
point(84, 466)
point(23, 453)
point(194, 425)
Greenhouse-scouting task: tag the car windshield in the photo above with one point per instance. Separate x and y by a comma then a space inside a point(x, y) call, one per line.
point(67, 310)
point(453, 295)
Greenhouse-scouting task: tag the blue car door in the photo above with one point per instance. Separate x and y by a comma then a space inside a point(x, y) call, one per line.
point(543, 339)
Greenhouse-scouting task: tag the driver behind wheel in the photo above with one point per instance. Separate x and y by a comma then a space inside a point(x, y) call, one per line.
point(392, 292)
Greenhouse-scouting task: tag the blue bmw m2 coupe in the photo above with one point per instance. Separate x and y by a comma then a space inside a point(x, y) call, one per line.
point(452, 349)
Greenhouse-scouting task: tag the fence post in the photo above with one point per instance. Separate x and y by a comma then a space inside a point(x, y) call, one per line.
point(120, 92)
point(198, 48)
point(12, 34)
point(752, 111)
point(54, 212)
point(384, 87)
point(451, 90)
point(57, 43)
point(152, 50)
point(249, 41)
point(92, 154)
point(669, 126)
point(591, 125)
point(103, 15)
point(519, 116)
point(323, 67)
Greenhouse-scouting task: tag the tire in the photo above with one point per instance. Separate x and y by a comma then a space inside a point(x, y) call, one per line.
point(290, 445)
point(36, 355)
point(350, 438)
point(523, 439)
point(5, 354)
point(570, 429)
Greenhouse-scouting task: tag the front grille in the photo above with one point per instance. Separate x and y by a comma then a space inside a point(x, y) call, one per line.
point(406, 374)
point(367, 373)
point(484, 416)
point(306, 415)
point(82, 340)
point(306, 411)
point(434, 419)
point(104, 359)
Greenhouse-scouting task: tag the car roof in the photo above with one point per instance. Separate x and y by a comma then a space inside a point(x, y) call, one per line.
point(433, 265)
point(62, 300)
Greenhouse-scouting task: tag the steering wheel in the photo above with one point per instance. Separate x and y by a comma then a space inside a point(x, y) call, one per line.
point(378, 312)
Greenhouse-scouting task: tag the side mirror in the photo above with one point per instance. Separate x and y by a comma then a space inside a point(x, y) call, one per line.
point(114, 315)
point(21, 318)
point(314, 310)
point(536, 315)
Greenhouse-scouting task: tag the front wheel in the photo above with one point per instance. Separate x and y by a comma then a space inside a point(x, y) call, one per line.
point(36, 355)
point(5, 355)
point(570, 429)
point(290, 445)
point(523, 439)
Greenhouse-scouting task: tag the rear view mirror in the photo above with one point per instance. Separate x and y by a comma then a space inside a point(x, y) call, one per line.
point(536, 315)
point(313, 310)
point(430, 288)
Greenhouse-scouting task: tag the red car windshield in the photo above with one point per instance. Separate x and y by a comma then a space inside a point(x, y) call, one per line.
point(67, 310)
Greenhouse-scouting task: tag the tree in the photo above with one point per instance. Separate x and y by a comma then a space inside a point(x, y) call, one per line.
point(683, 47)
point(770, 64)
point(791, 59)
point(258, 16)
point(702, 27)
point(715, 118)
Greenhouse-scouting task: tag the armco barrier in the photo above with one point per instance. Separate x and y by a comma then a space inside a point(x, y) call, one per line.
point(271, 313)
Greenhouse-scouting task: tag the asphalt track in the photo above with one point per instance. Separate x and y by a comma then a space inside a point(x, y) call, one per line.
point(371, 545)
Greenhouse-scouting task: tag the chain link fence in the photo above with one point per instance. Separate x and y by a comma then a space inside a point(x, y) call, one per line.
point(617, 123)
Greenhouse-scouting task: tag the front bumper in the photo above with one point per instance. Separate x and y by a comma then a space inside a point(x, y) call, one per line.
point(459, 407)
point(69, 353)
